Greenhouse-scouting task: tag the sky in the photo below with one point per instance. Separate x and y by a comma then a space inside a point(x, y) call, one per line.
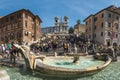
point(48, 9)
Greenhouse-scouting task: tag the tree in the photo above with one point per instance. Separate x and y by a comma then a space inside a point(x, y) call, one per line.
point(78, 21)
point(71, 30)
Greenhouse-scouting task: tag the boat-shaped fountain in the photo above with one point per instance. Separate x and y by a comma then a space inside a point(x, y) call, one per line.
point(73, 65)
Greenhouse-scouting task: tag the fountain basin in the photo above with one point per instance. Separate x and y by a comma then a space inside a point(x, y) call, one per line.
point(62, 71)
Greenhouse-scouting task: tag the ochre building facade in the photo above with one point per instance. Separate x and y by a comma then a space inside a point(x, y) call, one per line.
point(20, 26)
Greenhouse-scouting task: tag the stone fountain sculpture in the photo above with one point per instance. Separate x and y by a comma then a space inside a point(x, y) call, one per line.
point(76, 59)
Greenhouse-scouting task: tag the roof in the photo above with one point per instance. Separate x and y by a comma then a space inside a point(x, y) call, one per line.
point(1, 16)
point(38, 18)
point(111, 8)
point(88, 17)
point(79, 25)
point(26, 10)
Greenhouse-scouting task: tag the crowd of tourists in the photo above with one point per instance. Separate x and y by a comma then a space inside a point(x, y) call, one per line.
point(71, 45)
point(57, 46)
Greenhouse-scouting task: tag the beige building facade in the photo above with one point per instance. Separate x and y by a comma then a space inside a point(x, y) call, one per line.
point(20, 26)
point(79, 28)
point(104, 26)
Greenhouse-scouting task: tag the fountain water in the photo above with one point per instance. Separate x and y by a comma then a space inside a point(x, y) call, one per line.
point(63, 67)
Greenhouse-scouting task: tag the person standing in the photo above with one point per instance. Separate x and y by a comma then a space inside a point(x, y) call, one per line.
point(0, 50)
point(65, 46)
point(3, 49)
point(12, 54)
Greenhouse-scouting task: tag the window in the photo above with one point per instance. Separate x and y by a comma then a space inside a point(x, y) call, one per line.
point(33, 19)
point(101, 33)
point(86, 30)
point(89, 29)
point(56, 21)
point(12, 18)
point(94, 27)
point(108, 33)
point(117, 26)
point(117, 18)
point(19, 15)
point(102, 15)
point(89, 36)
point(26, 24)
point(109, 15)
point(95, 19)
point(65, 20)
point(12, 25)
point(26, 16)
point(109, 24)
point(6, 20)
point(2, 22)
point(116, 35)
point(94, 35)
point(86, 23)
point(102, 25)
point(19, 24)
point(18, 34)
point(90, 21)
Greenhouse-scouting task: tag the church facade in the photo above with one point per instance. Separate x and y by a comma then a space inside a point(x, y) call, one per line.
point(60, 27)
